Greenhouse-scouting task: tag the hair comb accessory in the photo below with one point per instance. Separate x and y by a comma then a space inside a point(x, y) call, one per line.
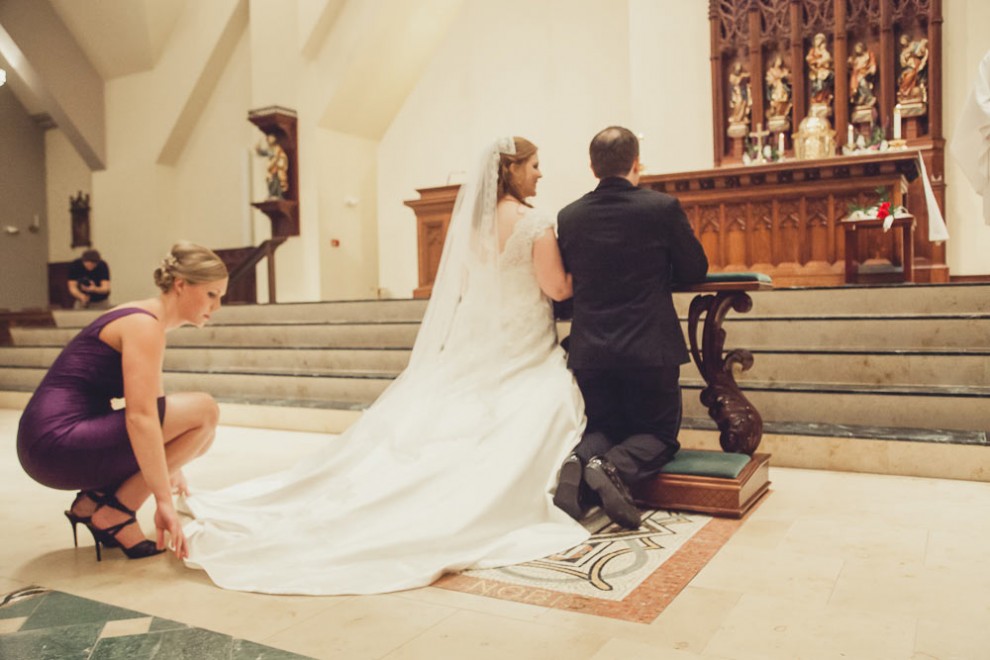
point(170, 263)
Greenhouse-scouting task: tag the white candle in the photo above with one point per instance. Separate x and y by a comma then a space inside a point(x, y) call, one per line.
point(780, 144)
point(897, 122)
point(851, 140)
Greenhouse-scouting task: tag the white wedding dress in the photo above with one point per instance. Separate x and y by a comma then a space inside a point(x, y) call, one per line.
point(451, 469)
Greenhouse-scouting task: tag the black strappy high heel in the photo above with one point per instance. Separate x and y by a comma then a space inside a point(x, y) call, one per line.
point(75, 519)
point(107, 537)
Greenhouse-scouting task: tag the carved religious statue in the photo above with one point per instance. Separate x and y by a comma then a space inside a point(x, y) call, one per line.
point(821, 75)
point(778, 80)
point(912, 83)
point(79, 211)
point(862, 77)
point(277, 174)
point(740, 101)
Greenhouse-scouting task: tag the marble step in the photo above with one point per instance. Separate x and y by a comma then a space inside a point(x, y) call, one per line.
point(959, 331)
point(920, 407)
point(745, 331)
point(346, 311)
point(353, 392)
point(846, 333)
point(339, 391)
point(962, 408)
point(866, 300)
point(844, 301)
point(960, 367)
point(285, 361)
point(340, 335)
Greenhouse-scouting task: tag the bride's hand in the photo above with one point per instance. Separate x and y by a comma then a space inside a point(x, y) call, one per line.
point(179, 484)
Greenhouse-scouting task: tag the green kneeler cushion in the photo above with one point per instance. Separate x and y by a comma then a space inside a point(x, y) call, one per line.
point(738, 277)
point(717, 464)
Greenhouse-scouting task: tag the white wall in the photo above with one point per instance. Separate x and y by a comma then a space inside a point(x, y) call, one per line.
point(554, 71)
point(22, 197)
point(67, 176)
point(211, 189)
point(347, 213)
point(966, 38)
point(671, 92)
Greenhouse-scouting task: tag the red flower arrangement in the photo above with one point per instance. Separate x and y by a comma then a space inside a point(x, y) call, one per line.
point(883, 211)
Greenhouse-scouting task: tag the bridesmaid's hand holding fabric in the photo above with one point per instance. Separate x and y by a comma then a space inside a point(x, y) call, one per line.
point(167, 520)
point(179, 484)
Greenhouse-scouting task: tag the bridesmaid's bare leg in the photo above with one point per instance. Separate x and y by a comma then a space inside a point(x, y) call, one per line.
point(189, 428)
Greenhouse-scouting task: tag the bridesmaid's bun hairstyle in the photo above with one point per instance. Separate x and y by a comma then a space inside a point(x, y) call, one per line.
point(193, 263)
point(506, 186)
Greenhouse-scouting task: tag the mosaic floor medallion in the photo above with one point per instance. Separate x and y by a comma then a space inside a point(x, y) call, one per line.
point(630, 575)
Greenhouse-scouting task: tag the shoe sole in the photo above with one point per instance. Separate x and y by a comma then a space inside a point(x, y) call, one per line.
point(616, 506)
point(567, 497)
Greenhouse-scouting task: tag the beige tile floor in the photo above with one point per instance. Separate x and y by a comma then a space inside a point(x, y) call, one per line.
point(832, 565)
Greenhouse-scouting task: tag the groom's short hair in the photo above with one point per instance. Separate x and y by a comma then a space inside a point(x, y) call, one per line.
point(613, 152)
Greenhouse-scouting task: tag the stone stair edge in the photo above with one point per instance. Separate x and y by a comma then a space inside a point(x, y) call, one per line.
point(975, 391)
point(759, 350)
point(689, 383)
point(945, 436)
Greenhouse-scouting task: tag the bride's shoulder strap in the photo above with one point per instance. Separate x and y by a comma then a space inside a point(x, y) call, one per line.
point(537, 222)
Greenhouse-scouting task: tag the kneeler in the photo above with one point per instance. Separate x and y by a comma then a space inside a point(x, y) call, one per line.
point(728, 482)
point(713, 482)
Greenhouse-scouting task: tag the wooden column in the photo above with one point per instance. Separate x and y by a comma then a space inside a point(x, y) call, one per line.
point(756, 68)
point(797, 65)
point(935, 71)
point(718, 101)
point(936, 167)
point(841, 48)
point(887, 69)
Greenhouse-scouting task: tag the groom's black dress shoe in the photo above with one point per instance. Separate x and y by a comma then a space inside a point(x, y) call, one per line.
point(568, 495)
point(618, 504)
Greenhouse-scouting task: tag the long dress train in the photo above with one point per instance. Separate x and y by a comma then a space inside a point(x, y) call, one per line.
point(450, 469)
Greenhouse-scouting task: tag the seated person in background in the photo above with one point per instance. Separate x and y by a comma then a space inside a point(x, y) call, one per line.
point(89, 281)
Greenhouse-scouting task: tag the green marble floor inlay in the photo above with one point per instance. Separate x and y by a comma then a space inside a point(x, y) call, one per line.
point(60, 626)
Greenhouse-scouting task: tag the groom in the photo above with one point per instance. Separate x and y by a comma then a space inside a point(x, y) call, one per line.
point(624, 246)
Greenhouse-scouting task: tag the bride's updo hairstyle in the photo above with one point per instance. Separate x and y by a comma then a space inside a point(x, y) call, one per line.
point(506, 186)
point(193, 263)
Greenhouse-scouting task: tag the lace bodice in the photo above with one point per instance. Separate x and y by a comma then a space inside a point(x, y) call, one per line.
point(527, 315)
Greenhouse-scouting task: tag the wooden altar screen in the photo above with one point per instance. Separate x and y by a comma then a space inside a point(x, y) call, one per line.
point(774, 62)
point(784, 219)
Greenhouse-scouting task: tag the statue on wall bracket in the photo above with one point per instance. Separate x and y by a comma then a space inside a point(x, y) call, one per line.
point(277, 172)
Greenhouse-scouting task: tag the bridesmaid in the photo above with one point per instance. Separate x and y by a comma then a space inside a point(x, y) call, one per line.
point(70, 438)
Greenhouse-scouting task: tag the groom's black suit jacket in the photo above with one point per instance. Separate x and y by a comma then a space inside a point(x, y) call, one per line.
point(625, 246)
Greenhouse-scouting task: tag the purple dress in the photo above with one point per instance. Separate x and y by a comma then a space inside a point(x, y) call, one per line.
point(69, 436)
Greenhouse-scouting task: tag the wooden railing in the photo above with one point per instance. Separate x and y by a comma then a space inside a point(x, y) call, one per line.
point(241, 262)
point(39, 318)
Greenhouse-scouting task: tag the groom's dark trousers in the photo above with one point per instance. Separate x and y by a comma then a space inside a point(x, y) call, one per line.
point(625, 246)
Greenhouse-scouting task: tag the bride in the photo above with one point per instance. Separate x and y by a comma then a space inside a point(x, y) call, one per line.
point(451, 468)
